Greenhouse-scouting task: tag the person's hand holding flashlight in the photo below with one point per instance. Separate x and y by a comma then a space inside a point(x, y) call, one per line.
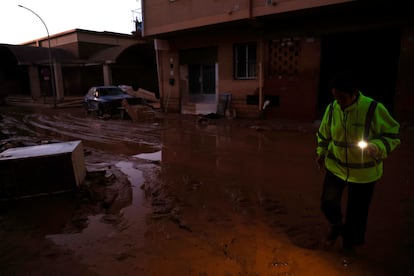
point(362, 144)
point(371, 148)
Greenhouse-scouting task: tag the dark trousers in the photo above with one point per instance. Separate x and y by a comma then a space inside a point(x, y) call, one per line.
point(357, 206)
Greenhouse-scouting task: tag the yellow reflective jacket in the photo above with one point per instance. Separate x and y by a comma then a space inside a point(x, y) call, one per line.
point(341, 130)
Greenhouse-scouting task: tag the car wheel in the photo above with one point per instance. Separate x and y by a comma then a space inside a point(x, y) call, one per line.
point(87, 109)
point(100, 110)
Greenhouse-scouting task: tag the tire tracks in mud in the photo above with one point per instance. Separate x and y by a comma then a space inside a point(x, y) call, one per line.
point(90, 129)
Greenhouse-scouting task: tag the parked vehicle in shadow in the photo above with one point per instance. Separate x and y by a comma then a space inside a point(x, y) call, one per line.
point(123, 102)
point(105, 100)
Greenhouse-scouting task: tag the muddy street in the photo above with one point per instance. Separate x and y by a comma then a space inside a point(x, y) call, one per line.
point(175, 196)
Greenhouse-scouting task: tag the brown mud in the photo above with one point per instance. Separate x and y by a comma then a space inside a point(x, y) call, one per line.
point(180, 196)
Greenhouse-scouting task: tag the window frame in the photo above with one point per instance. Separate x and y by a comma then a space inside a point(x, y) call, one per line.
point(249, 61)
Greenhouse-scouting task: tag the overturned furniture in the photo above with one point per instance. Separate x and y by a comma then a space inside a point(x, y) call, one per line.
point(41, 169)
point(138, 112)
point(141, 107)
point(148, 96)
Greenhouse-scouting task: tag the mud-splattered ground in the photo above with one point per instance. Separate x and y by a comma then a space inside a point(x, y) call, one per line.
point(174, 196)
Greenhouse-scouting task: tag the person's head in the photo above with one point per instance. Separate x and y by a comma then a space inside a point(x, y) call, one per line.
point(344, 88)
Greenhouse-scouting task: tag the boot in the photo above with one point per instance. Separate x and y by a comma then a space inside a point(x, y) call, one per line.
point(333, 234)
point(348, 255)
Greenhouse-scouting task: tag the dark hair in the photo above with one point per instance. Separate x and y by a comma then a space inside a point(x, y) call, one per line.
point(345, 81)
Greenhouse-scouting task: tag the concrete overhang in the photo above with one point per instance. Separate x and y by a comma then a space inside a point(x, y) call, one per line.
point(27, 55)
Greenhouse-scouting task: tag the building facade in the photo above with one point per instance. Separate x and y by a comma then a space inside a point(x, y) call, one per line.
point(78, 60)
point(279, 54)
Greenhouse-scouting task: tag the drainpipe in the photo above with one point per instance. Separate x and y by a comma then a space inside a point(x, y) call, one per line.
point(160, 73)
point(260, 75)
point(160, 45)
point(260, 63)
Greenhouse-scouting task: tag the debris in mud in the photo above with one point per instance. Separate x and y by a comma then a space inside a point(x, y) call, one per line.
point(204, 120)
point(123, 256)
point(164, 206)
point(142, 106)
point(279, 264)
point(225, 248)
point(138, 112)
point(149, 96)
point(175, 217)
point(110, 189)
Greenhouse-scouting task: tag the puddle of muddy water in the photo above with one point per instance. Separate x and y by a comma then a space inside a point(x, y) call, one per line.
point(103, 229)
point(136, 179)
point(241, 197)
point(153, 156)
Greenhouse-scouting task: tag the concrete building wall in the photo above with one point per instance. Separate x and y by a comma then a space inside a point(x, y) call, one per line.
point(328, 36)
point(83, 43)
point(126, 59)
point(160, 16)
point(297, 94)
point(297, 89)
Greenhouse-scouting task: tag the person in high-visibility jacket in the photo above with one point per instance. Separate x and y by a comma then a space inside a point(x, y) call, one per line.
point(355, 135)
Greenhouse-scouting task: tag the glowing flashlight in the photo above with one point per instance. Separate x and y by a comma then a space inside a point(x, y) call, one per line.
point(362, 144)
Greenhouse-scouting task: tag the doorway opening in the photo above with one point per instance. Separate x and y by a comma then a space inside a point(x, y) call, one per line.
point(202, 83)
point(198, 80)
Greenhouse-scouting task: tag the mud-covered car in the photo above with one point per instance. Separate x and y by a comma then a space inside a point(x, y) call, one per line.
point(105, 99)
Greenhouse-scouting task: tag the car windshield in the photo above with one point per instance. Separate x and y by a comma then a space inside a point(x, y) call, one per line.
point(109, 91)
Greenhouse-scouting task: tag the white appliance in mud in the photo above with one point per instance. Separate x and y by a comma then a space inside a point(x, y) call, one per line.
point(41, 169)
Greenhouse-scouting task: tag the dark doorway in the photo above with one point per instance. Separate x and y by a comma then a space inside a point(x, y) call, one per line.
point(201, 73)
point(373, 55)
point(202, 80)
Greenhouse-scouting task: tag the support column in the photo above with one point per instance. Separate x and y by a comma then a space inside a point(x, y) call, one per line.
point(35, 90)
point(107, 74)
point(59, 90)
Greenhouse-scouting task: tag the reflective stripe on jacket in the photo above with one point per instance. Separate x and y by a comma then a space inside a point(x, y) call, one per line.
point(341, 130)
